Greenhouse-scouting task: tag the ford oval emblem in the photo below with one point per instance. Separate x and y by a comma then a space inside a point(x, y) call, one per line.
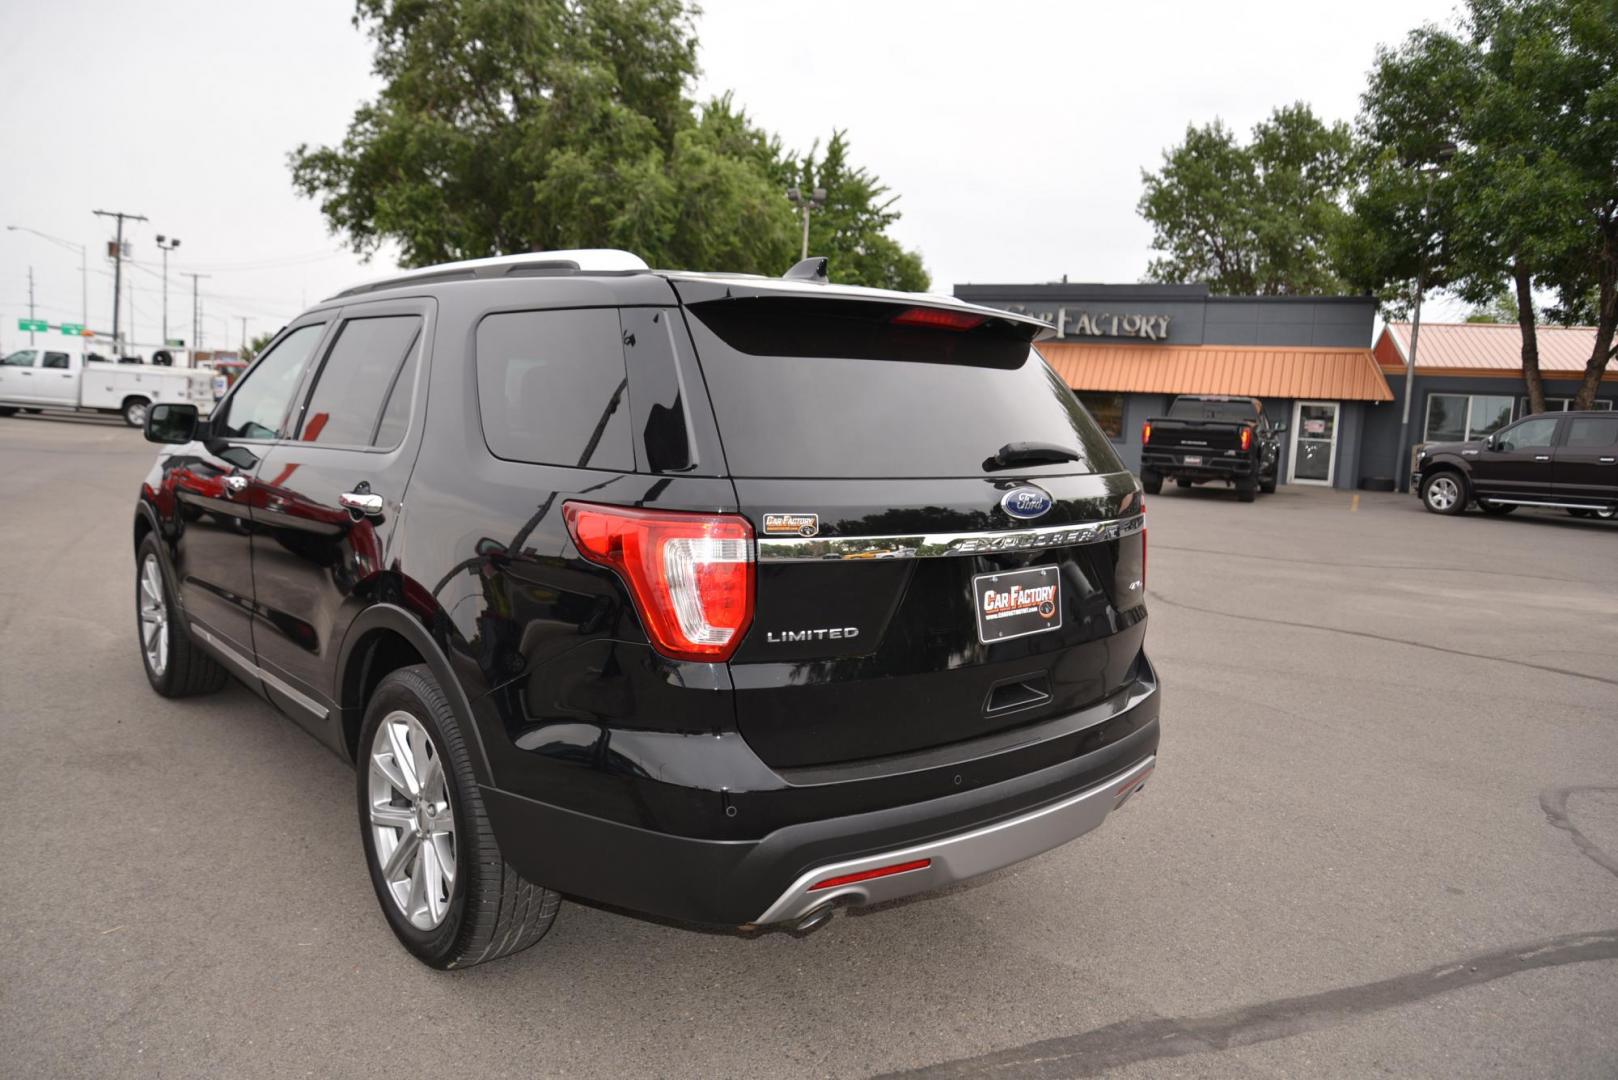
point(1026, 503)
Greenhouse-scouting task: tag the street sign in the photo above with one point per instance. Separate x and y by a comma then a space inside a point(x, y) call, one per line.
point(72, 328)
point(33, 324)
point(175, 343)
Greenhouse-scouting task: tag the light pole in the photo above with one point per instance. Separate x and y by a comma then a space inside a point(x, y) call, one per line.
point(166, 245)
point(814, 201)
point(84, 268)
point(1442, 153)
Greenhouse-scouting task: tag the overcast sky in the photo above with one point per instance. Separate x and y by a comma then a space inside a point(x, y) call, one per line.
point(1014, 131)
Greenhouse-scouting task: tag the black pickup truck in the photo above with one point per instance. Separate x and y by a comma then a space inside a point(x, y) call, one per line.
point(1212, 438)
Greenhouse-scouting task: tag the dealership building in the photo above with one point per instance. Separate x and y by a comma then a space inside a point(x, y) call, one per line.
point(1127, 350)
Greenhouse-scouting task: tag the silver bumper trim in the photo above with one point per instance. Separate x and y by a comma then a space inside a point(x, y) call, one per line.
point(965, 855)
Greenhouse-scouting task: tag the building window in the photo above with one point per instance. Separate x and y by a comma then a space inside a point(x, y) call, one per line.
point(1563, 404)
point(1458, 417)
point(1108, 412)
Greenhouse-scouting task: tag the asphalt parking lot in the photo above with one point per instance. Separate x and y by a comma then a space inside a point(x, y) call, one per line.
point(1382, 837)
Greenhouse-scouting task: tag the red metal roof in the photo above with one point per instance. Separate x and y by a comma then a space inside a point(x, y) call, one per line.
point(1488, 348)
point(1240, 370)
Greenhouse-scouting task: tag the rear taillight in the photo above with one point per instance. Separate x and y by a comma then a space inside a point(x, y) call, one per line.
point(1146, 433)
point(1247, 438)
point(939, 318)
point(691, 575)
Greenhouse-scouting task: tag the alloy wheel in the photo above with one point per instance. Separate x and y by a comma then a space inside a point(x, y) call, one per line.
point(1442, 493)
point(154, 616)
point(412, 822)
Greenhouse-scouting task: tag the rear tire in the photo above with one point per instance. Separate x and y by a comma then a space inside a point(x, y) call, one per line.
point(175, 665)
point(415, 776)
point(1580, 512)
point(1246, 491)
point(1151, 481)
point(1444, 492)
point(135, 411)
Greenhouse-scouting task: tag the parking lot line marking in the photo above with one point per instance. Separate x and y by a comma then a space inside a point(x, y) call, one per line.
point(1354, 503)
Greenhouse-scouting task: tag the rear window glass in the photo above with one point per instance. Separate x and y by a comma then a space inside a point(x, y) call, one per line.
point(836, 389)
point(552, 388)
point(1592, 431)
point(1189, 409)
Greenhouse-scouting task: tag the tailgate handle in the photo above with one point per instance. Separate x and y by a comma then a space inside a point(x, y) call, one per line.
point(1022, 692)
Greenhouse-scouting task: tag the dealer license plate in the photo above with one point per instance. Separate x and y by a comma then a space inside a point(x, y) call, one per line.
point(1193, 459)
point(1016, 603)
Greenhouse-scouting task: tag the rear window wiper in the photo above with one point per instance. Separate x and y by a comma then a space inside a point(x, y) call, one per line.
point(1030, 453)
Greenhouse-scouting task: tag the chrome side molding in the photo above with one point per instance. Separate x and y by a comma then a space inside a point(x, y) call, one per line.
point(941, 545)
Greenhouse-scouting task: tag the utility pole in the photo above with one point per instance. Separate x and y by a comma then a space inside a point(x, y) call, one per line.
point(196, 311)
point(84, 267)
point(166, 244)
point(813, 201)
point(30, 304)
point(243, 318)
point(118, 261)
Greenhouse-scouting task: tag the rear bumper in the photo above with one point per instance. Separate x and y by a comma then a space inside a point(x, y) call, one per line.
point(770, 878)
point(1214, 464)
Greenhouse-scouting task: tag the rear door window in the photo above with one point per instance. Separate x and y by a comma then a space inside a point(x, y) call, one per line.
point(841, 389)
point(362, 374)
point(1586, 431)
point(57, 360)
point(553, 390)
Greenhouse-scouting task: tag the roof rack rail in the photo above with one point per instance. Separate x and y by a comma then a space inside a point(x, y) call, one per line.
point(582, 260)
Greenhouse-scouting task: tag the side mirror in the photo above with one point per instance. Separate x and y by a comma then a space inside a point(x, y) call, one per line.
point(1490, 443)
point(1278, 428)
point(171, 423)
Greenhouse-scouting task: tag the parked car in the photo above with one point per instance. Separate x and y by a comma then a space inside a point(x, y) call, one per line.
point(46, 378)
point(723, 599)
point(1205, 438)
point(1566, 460)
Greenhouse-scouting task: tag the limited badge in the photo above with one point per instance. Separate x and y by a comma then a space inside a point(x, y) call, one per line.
point(791, 524)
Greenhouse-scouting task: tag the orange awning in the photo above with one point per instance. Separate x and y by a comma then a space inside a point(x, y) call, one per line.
point(1237, 370)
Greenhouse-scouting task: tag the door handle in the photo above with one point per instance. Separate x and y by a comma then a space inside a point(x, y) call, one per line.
point(1542, 457)
point(235, 485)
point(361, 502)
point(1608, 460)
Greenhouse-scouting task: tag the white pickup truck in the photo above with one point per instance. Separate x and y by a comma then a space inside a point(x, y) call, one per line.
point(47, 378)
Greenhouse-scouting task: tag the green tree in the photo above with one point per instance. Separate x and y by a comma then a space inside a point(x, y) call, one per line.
point(854, 221)
point(1254, 219)
point(255, 345)
point(1526, 93)
point(506, 126)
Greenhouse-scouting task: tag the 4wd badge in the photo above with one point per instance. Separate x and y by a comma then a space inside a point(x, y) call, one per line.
point(791, 524)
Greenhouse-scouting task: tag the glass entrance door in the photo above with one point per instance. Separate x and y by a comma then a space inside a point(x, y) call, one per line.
point(1314, 443)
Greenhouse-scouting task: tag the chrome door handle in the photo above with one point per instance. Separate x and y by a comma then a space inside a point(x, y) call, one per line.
point(1608, 460)
point(1542, 457)
point(361, 502)
point(235, 485)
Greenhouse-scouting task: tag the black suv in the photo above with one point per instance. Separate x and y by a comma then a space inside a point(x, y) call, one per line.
point(1565, 460)
point(723, 599)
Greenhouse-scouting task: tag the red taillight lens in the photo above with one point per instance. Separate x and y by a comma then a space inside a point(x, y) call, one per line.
point(1247, 438)
point(867, 875)
point(691, 575)
point(1146, 433)
point(939, 318)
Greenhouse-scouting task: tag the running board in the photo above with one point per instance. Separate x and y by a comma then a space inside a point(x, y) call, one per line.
point(1537, 502)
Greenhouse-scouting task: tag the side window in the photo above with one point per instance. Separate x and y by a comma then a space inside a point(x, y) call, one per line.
point(1529, 435)
point(22, 358)
point(263, 394)
point(552, 388)
point(57, 360)
point(358, 378)
point(1590, 431)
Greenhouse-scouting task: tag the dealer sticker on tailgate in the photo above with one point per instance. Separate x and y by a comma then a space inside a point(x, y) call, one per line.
point(1018, 602)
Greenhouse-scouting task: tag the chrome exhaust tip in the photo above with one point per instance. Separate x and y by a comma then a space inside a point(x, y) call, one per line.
point(813, 920)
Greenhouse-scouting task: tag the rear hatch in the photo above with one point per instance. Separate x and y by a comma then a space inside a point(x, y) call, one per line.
point(881, 450)
point(1202, 424)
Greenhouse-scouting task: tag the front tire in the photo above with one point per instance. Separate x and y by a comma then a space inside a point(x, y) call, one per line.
point(444, 887)
point(1246, 491)
point(175, 665)
point(1266, 484)
point(1151, 481)
point(1444, 493)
